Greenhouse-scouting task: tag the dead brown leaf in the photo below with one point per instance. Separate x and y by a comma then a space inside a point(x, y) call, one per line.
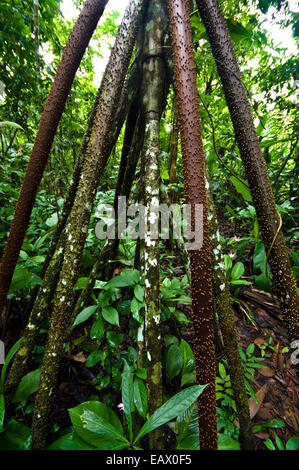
point(267, 372)
point(253, 406)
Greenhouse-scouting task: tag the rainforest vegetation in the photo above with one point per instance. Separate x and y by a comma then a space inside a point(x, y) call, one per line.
point(112, 112)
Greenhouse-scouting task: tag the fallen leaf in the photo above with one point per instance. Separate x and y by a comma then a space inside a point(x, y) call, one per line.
point(262, 435)
point(79, 357)
point(253, 406)
point(267, 372)
point(259, 341)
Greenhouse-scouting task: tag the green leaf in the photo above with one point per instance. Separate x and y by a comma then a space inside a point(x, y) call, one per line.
point(23, 279)
point(9, 357)
point(84, 315)
point(227, 263)
point(125, 307)
point(250, 349)
point(242, 188)
point(259, 256)
point(98, 329)
point(174, 361)
point(238, 270)
point(127, 392)
point(188, 378)
point(172, 408)
point(114, 339)
point(52, 221)
point(293, 444)
point(139, 292)
point(17, 436)
point(135, 307)
point(96, 424)
point(227, 443)
point(127, 278)
point(13, 125)
point(27, 386)
point(70, 442)
point(269, 444)
point(222, 371)
point(165, 174)
point(94, 358)
point(110, 314)
point(141, 373)
point(270, 423)
point(140, 397)
point(181, 317)
point(188, 357)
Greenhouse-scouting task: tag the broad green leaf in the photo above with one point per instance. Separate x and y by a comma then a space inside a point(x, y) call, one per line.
point(140, 397)
point(270, 423)
point(127, 278)
point(172, 408)
point(114, 339)
point(96, 424)
point(135, 307)
point(227, 263)
point(52, 221)
point(110, 314)
point(23, 279)
point(84, 315)
point(94, 358)
point(27, 386)
point(259, 256)
point(139, 292)
point(181, 317)
point(125, 307)
point(70, 442)
point(188, 378)
point(174, 361)
point(17, 436)
point(238, 270)
point(222, 371)
point(242, 188)
point(98, 329)
point(227, 443)
point(141, 373)
point(293, 444)
point(188, 357)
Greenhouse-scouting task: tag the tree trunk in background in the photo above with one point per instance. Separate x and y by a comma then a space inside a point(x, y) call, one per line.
point(153, 102)
point(86, 23)
point(195, 193)
point(221, 298)
point(254, 163)
point(80, 215)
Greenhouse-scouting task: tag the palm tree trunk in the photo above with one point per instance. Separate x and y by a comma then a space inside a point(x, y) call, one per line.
point(254, 163)
point(195, 193)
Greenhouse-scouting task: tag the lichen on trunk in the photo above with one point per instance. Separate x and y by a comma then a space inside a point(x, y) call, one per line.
point(223, 308)
point(80, 214)
point(153, 102)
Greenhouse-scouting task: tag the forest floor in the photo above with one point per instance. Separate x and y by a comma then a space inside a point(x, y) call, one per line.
point(257, 318)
